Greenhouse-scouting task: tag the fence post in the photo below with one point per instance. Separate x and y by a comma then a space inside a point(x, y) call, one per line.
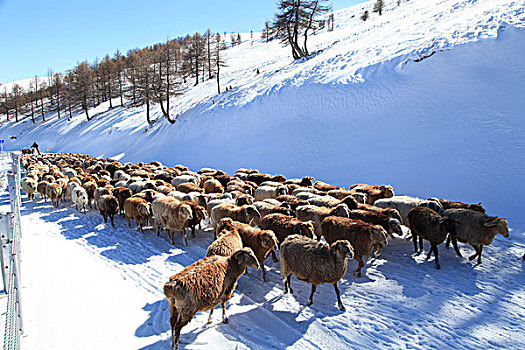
point(5, 252)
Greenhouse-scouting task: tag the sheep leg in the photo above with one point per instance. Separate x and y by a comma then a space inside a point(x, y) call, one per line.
point(112, 223)
point(129, 224)
point(158, 231)
point(430, 251)
point(358, 270)
point(185, 238)
point(339, 302)
point(455, 244)
point(434, 248)
point(414, 240)
point(274, 257)
point(171, 233)
point(210, 318)
point(181, 322)
point(311, 299)
point(193, 231)
point(174, 316)
point(287, 285)
point(379, 249)
point(447, 244)
point(479, 255)
point(261, 263)
point(421, 248)
point(105, 218)
point(224, 318)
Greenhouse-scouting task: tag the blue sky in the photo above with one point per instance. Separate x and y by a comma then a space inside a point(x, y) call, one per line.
point(38, 34)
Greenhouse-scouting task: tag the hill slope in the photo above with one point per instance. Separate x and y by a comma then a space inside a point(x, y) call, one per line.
point(361, 109)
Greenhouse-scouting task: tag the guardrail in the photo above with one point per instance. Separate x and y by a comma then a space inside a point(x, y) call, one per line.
point(10, 233)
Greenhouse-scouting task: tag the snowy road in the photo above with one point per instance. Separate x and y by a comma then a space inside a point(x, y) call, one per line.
point(87, 285)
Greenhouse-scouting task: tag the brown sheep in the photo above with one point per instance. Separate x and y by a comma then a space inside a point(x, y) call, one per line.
point(137, 209)
point(213, 186)
point(228, 240)
point(188, 187)
point(426, 224)
point(392, 213)
point(262, 242)
point(265, 208)
point(202, 286)
point(171, 214)
point(314, 263)
point(122, 193)
point(245, 213)
point(363, 237)
point(306, 181)
point(42, 189)
point(373, 192)
point(292, 201)
point(198, 213)
point(285, 225)
point(476, 229)
point(389, 224)
point(108, 207)
point(99, 192)
point(54, 192)
point(323, 186)
point(317, 214)
point(90, 187)
point(446, 204)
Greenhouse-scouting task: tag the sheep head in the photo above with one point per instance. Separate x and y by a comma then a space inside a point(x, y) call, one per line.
point(185, 212)
point(499, 225)
point(341, 210)
point(306, 229)
point(350, 202)
point(342, 250)
point(269, 240)
point(477, 207)
point(245, 258)
point(387, 190)
point(282, 190)
point(395, 226)
point(252, 212)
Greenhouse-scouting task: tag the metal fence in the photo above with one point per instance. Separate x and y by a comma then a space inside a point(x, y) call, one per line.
point(10, 234)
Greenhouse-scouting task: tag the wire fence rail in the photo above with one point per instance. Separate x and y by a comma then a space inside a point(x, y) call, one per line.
point(10, 234)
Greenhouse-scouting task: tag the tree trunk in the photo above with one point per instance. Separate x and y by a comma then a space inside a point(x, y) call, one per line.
point(32, 112)
point(58, 101)
point(218, 81)
point(42, 108)
point(109, 91)
point(196, 70)
point(120, 88)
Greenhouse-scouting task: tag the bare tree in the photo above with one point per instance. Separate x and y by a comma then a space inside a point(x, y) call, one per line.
point(119, 72)
point(6, 103)
point(167, 80)
point(208, 51)
point(219, 61)
point(16, 93)
point(107, 71)
point(83, 85)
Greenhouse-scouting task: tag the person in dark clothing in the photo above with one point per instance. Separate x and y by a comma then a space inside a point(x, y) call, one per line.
point(34, 146)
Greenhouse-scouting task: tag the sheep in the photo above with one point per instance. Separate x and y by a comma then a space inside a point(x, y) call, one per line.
point(374, 192)
point(171, 214)
point(228, 240)
point(317, 214)
point(403, 204)
point(137, 209)
point(426, 224)
point(186, 178)
point(260, 178)
point(54, 192)
point(42, 189)
point(90, 187)
point(202, 286)
point(245, 213)
point(392, 213)
point(29, 185)
point(99, 192)
point(265, 208)
point(108, 207)
point(363, 237)
point(314, 263)
point(389, 224)
point(285, 225)
point(323, 186)
point(198, 213)
point(79, 197)
point(292, 201)
point(476, 229)
point(122, 193)
point(262, 242)
point(330, 202)
point(213, 186)
point(226, 198)
point(305, 181)
point(188, 187)
point(447, 204)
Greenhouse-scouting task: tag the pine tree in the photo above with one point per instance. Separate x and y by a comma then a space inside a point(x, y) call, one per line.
point(379, 5)
point(364, 16)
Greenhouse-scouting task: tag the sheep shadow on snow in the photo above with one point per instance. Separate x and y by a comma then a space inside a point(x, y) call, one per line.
point(120, 244)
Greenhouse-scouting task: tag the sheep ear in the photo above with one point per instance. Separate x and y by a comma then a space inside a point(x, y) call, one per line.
point(491, 222)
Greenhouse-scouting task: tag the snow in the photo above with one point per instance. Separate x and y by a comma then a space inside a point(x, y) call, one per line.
point(361, 109)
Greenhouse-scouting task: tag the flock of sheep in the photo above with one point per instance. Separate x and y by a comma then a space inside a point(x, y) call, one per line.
point(253, 215)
